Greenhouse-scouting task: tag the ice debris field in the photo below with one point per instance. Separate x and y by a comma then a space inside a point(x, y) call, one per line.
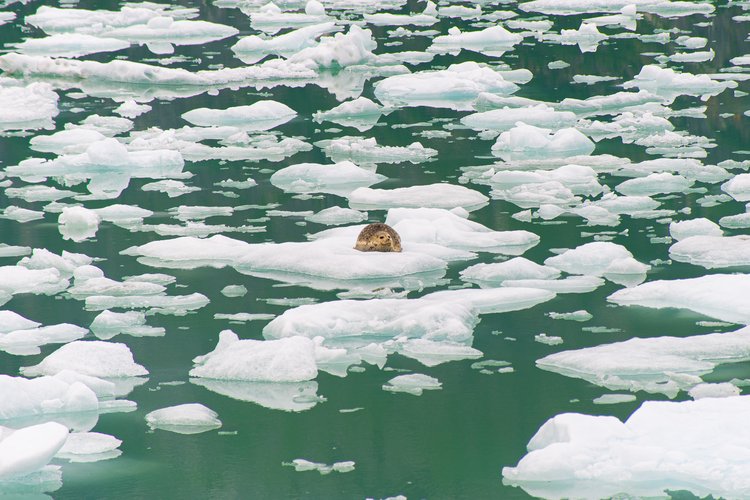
point(183, 313)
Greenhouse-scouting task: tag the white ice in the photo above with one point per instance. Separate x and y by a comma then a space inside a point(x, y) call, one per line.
point(89, 447)
point(95, 358)
point(336, 216)
point(694, 227)
point(455, 87)
point(719, 296)
point(367, 151)
point(526, 141)
point(261, 115)
point(32, 106)
point(29, 449)
point(601, 258)
point(446, 196)
point(503, 119)
point(191, 418)
point(712, 251)
point(78, 223)
point(341, 178)
point(69, 45)
point(413, 383)
point(575, 455)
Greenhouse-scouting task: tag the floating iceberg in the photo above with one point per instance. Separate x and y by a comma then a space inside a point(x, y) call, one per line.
point(601, 258)
point(78, 223)
point(89, 447)
point(192, 418)
point(517, 268)
point(262, 115)
point(694, 227)
point(669, 84)
point(526, 141)
point(337, 215)
point(284, 360)
point(712, 251)
point(447, 196)
point(453, 229)
point(574, 455)
point(494, 40)
point(253, 48)
point(341, 178)
point(414, 383)
point(29, 449)
point(27, 107)
point(455, 87)
point(108, 164)
point(503, 119)
point(94, 358)
point(360, 113)
point(367, 150)
point(720, 296)
point(69, 45)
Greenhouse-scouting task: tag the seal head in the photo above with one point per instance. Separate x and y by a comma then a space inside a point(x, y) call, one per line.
point(378, 237)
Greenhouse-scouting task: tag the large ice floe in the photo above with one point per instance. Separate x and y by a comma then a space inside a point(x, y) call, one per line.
point(440, 195)
point(647, 455)
point(719, 296)
point(455, 87)
point(107, 164)
point(31, 106)
point(341, 178)
point(432, 329)
point(662, 365)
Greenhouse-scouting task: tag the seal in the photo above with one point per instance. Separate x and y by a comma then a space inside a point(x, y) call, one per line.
point(378, 237)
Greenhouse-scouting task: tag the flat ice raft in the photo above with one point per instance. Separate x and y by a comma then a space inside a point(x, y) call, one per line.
point(663, 365)
point(700, 446)
point(721, 296)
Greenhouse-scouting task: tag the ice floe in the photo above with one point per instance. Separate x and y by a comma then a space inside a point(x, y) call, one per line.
point(712, 251)
point(191, 418)
point(32, 106)
point(262, 115)
point(720, 296)
point(341, 178)
point(455, 87)
point(503, 119)
point(615, 455)
point(526, 141)
point(302, 465)
point(27, 450)
point(447, 196)
point(368, 151)
point(78, 223)
point(414, 383)
point(601, 258)
point(89, 447)
point(253, 48)
point(94, 358)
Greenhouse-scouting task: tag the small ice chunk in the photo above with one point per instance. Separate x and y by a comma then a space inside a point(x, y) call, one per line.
point(543, 338)
point(738, 187)
point(514, 269)
point(712, 251)
point(525, 142)
point(581, 315)
point(89, 447)
point(234, 291)
point(131, 109)
point(414, 383)
point(78, 223)
point(302, 465)
point(192, 418)
point(612, 399)
point(108, 324)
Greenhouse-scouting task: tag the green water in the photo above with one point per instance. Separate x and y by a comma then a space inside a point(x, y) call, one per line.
point(450, 443)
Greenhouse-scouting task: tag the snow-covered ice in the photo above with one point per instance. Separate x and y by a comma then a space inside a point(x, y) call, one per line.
point(190, 418)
